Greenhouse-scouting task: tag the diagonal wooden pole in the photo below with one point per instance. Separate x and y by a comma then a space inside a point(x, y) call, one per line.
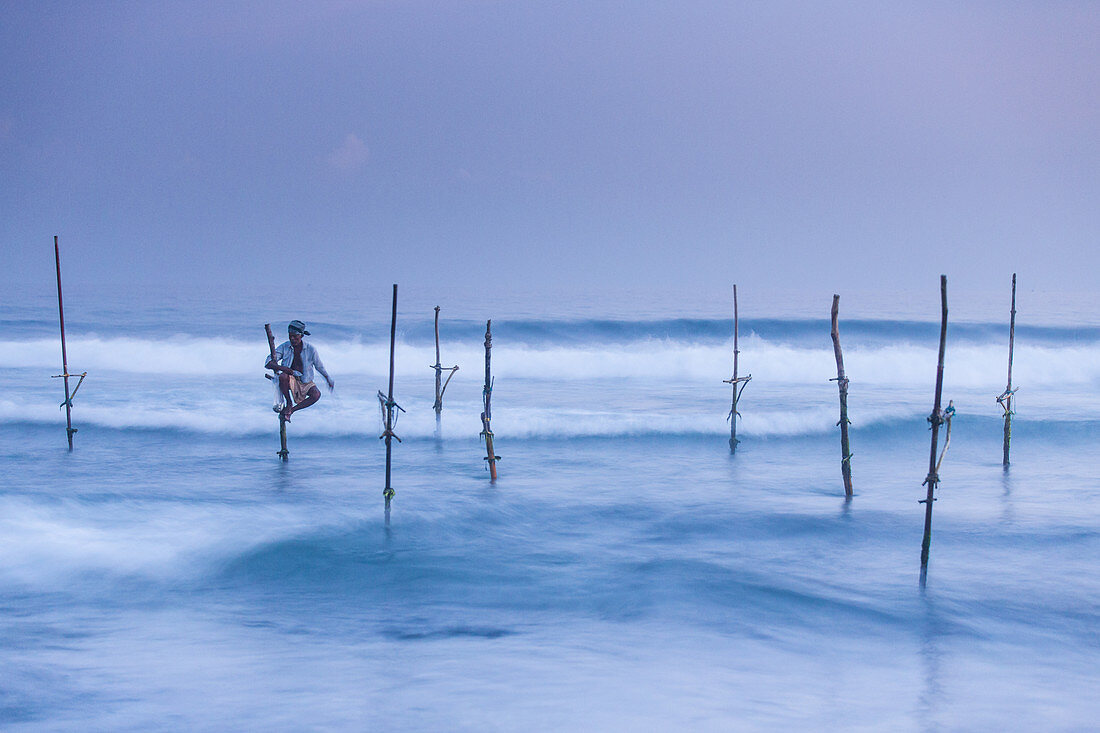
point(69, 430)
point(936, 419)
point(388, 492)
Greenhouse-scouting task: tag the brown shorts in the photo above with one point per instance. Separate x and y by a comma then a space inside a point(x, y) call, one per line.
point(299, 390)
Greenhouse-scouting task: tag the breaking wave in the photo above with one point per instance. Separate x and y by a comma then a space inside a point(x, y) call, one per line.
point(968, 364)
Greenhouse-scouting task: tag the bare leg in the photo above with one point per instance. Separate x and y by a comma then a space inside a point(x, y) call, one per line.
point(312, 396)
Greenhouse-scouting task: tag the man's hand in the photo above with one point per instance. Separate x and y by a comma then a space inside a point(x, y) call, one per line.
point(331, 384)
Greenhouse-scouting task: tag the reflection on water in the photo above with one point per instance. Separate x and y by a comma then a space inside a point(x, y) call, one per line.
point(930, 699)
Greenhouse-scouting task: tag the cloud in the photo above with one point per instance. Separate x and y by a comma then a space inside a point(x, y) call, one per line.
point(351, 156)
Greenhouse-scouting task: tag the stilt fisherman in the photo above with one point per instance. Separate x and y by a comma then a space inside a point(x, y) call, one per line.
point(295, 362)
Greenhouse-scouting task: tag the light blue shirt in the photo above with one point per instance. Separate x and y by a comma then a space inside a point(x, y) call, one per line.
point(284, 354)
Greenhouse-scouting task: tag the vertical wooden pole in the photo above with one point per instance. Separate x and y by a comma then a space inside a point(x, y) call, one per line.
point(388, 492)
point(487, 415)
point(1006, 398)
point(64, 355)
point(438, 370)
point(842, 384)
point(735, 381)
point(440, 385)
point(936, 419)
point(283, 453)
point(736, 351)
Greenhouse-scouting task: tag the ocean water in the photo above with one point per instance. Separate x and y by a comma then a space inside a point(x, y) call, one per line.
point(625, 572)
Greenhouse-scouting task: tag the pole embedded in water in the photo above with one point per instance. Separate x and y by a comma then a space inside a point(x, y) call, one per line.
point(937, 418)
point(743, 381)
point(388, 406)
point(440, 385)
point(69, 429)
point(1006, 397)
point(842, 384)
point(486, 416)
point(438, 366)
point(283, 452)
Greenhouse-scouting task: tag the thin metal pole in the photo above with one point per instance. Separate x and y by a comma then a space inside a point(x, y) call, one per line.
point(64, 355)
point(937, 419)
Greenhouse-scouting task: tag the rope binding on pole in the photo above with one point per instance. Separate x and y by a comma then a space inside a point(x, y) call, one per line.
point(942, 418)
point(1005, 401)
point(389, 417)
point(69, 402)
point(744, 382)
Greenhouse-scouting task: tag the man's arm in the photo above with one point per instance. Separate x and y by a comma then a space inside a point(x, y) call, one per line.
point(321, 368)
point(280, 355)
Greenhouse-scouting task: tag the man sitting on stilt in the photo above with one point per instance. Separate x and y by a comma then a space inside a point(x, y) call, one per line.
point(295, 362)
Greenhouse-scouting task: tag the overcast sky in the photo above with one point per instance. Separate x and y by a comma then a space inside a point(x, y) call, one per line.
point(641, 144)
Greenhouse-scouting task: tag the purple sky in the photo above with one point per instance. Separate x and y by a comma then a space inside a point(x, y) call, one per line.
point(639, 144)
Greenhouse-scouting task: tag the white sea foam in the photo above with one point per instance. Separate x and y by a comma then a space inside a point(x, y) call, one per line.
point(40, 543)
point(360, 419)
point(968, 365)
point(648, 386)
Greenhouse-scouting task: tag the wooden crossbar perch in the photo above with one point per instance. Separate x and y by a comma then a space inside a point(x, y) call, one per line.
point(842, 384)
point(936, 419)
point(1006, 397)
point(734, 381)
point(439, 369)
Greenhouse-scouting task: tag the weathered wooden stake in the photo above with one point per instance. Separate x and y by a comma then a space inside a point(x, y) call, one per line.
point(1005, 399)
point(743, 381)
point(68, 403)
point(842, 384)
point(283, 452)
point(486, 416)
point(388, 406)
point(937, 418)
point(438, 367)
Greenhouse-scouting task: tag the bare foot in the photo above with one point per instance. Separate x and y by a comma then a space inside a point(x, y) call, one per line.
point(287, 412)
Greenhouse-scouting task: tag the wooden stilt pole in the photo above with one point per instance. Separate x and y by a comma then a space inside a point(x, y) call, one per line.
point(283, 453)
point(937, 418)
point(68, 403)
point(440, 385)
point(1006, 397)
point(64, 374)
point(388, 406)
point(743, 381)
point(842, 384)
point(438, 366)
point(486, 416)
